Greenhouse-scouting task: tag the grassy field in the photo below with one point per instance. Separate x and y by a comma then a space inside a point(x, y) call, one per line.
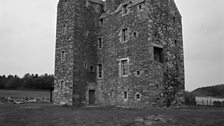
point(49, 115)
point(19, 93)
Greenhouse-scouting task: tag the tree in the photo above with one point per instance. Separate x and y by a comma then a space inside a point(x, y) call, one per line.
point(2, 81)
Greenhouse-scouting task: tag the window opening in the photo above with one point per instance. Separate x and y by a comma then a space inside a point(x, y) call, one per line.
point(100, 71)
point(158, 54)
point(124, 34)
point(61, 84)
point(91, 69)
point(85, 65)
point(125, 95)
point(101, 21)
point(63, 55)
point(124, 69)
point(137, 96)
point(125, 9)
point(100, 45)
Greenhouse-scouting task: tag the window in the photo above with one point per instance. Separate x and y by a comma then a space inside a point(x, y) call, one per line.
point(100, 45)
point(158, 54)
point(87, 33)
point(85, 65)
point(101, 21)
point(174, 19)
point(63, 56)
point(138, 73)
point(140, 7)
point(99, 71)
point(175, 42)
point(156, 34)
point(125, 9)
point(91, 69)
point(135, 34)
point(62, 84)
point(124, 67)
point(125, 35)
point(138, 96)
point(64, 29)
point(125, 95)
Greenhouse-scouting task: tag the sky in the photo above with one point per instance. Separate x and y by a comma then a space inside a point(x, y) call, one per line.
point(28, 34)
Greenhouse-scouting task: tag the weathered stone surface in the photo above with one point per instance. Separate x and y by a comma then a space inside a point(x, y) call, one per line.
point(152, 25)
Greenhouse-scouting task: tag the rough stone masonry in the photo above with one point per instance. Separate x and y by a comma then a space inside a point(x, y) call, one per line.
point(114, 52)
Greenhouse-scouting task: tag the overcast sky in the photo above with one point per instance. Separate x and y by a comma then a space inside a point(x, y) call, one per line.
point(28, 28)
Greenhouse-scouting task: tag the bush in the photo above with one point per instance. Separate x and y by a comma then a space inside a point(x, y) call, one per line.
point(189, 98)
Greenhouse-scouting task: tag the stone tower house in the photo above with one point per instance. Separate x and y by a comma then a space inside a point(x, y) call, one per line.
point(114, 52)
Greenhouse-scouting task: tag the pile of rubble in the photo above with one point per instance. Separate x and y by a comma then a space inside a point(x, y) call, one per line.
point(152, 120)
point(22, 100)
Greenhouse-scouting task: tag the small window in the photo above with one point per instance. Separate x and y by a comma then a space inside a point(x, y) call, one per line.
point(175, 42)
point(87, 33)
point(138, 73)
point(135, 34)
point(62, 84)
point(101, 21)
point(140, 7)
point(156, 35)
point(124, 67)
point(138, 96)
point(158, 54)
point(125, 95)
point(63, 56)
point(85, 65)
point(64, 29)
point(100, 45)
point(99, 71)
point(125, 9)
point(91, 69)
point(174, 19)
point(125, 35)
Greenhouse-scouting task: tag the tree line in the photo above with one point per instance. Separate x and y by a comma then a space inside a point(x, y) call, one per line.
point(27, 82)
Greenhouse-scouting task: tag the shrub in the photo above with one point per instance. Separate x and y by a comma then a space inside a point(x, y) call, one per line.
point(189, 98)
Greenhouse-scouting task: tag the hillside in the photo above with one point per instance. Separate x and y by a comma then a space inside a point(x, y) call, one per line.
point(214, 91)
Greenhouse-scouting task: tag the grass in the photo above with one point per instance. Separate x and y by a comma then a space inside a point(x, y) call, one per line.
point(50, 115)
point(24, 93)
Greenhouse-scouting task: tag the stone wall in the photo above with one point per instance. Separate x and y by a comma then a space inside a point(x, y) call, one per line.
point(86, 30)
point(153, 23)
point(63, 87)
point(154, 41)
point(77, 26)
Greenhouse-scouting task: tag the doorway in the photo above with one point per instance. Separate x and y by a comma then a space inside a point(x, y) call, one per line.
point(91, 97)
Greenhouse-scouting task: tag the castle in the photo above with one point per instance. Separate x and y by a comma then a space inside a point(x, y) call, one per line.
point(114, 52)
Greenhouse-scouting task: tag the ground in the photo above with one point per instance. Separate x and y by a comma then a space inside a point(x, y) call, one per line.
point(24, 93)
point(47, 114)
